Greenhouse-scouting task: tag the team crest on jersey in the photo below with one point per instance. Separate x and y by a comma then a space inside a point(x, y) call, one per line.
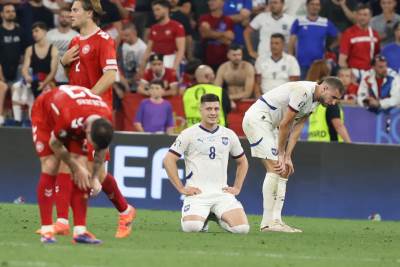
point(186, 208)
point(86, 49)
point(283, 68)
point(39, 147)
point(274, 151)
point(225, 140)
point(284, 27)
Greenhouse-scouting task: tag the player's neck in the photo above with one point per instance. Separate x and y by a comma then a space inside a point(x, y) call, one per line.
point(88, 29)
point(42, 43)
point(164, 20)
point(363, 27)
point(216, 13)
point(388, 15)
point(209, 126)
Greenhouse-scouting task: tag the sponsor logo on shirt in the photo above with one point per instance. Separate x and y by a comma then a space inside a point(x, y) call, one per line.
point(274, 151)
point(284, 27)
point(39, 146)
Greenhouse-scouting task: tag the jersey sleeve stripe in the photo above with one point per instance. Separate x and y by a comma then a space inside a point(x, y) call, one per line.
point(175, 153)
point(113, 67)
point(238, 156)
point(293, 109)
point(111, 61)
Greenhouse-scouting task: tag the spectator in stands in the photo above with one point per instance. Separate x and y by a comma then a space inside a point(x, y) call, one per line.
point(38, 70)
point(276, 69)
point(11, 51)
point(155, 114)
point(130, 54)
point(326, 124)
point(347, 78)
point(125, 8)
point(191, 98)
point(309, 35)
point(60, 37)
point(380, 88)
point(31, 12)
point(258, 7)
point(385, 22)
point(188, 77)
point(239, 11)
point(157, 71)
point(392, 51)
point(268, 23)
point(295, 8)
point(340, 12)
point(111, 19)
point(177, 15)
point(359, 43)
point(216, 31)
point(236, 75)
point(167, 37)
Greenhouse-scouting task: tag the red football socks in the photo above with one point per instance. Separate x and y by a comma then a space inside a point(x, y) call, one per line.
point(111, 189)
point(79, 199)
point(45, 196)
point(63, 194)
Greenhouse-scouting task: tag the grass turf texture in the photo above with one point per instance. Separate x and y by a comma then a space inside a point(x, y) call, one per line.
point(157, 241)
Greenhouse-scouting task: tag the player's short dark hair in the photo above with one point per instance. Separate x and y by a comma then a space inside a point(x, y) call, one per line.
point(40, 25)
point(157, 82)
point(163, 3)
point(235, 47)
point(362, 6)
point(278, 35)
point(334, 83)
point(102, 133)
point(95, 6)
point(209, 98)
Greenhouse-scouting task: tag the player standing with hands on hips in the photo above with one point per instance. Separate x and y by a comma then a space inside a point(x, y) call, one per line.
point(273, 125)
point(206, 147)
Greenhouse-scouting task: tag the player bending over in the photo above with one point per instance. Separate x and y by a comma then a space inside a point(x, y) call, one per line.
point(273, 125)
point(62, 120)
point(206, 147)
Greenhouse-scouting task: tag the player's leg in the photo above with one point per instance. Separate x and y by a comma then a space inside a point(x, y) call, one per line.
point(230, 214)
point(64, 185)
point(45, 196)
point(16, 97)
point(127, 213)
point(3, 91)
point(195, 211)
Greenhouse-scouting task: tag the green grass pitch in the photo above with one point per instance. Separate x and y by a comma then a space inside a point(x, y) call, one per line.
point(157, 241)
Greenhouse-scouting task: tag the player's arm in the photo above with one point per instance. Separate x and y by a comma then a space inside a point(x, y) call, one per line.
point(145, 58)
point(283, 136)
point(173, 89)
point(248, 41)
point(170, 165)
point(98, 163)
point(138, 126)
point(343, 60)
point(79, 173)
point(242, 166)
point(105, 82)
point(53, 68)
point(341, 129)
point(292, 44)
point(293, 138)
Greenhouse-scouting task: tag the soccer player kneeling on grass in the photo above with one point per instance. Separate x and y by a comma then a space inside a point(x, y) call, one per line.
point(273, 125)
point(206, 147)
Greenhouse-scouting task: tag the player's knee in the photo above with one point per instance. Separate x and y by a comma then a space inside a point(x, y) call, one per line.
point(240, 229)
point(192, 226)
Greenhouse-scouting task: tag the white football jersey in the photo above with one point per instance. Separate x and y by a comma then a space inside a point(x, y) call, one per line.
point(297, 96)
point(206, 155)
point(274, 73)
point(268, 25)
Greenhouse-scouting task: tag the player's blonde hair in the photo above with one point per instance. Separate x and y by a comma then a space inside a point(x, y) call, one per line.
point(95, 6)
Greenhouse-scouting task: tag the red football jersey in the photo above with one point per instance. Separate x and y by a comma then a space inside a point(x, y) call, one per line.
point(96, 55)
point(164, 37)
point(356, 44)
point(71, 106)
point(168, 77)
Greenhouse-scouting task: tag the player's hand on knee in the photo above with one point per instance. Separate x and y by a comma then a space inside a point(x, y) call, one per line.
point(280, 166)
point(81, 177)
point(289, 167)
point(95, 187)
point(231, 190)
point(190, 191)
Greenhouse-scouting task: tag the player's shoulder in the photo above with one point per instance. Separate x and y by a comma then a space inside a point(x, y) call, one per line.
point(306, 87)
point(191, 132)
point(103, 37)
point(226, 131)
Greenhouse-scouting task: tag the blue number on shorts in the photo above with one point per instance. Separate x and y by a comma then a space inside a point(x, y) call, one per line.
point(212, 153)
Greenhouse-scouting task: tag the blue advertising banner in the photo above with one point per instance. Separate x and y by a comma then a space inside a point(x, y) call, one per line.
point(330, 180)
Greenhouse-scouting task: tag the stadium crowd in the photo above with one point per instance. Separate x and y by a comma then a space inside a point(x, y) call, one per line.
point(251, 46)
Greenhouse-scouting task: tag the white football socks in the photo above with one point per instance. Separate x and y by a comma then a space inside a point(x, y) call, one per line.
point(269, 195)
point(79, 230)
point(17, 110)
point(47, 229)
point(280, 199)
point(62, 220)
